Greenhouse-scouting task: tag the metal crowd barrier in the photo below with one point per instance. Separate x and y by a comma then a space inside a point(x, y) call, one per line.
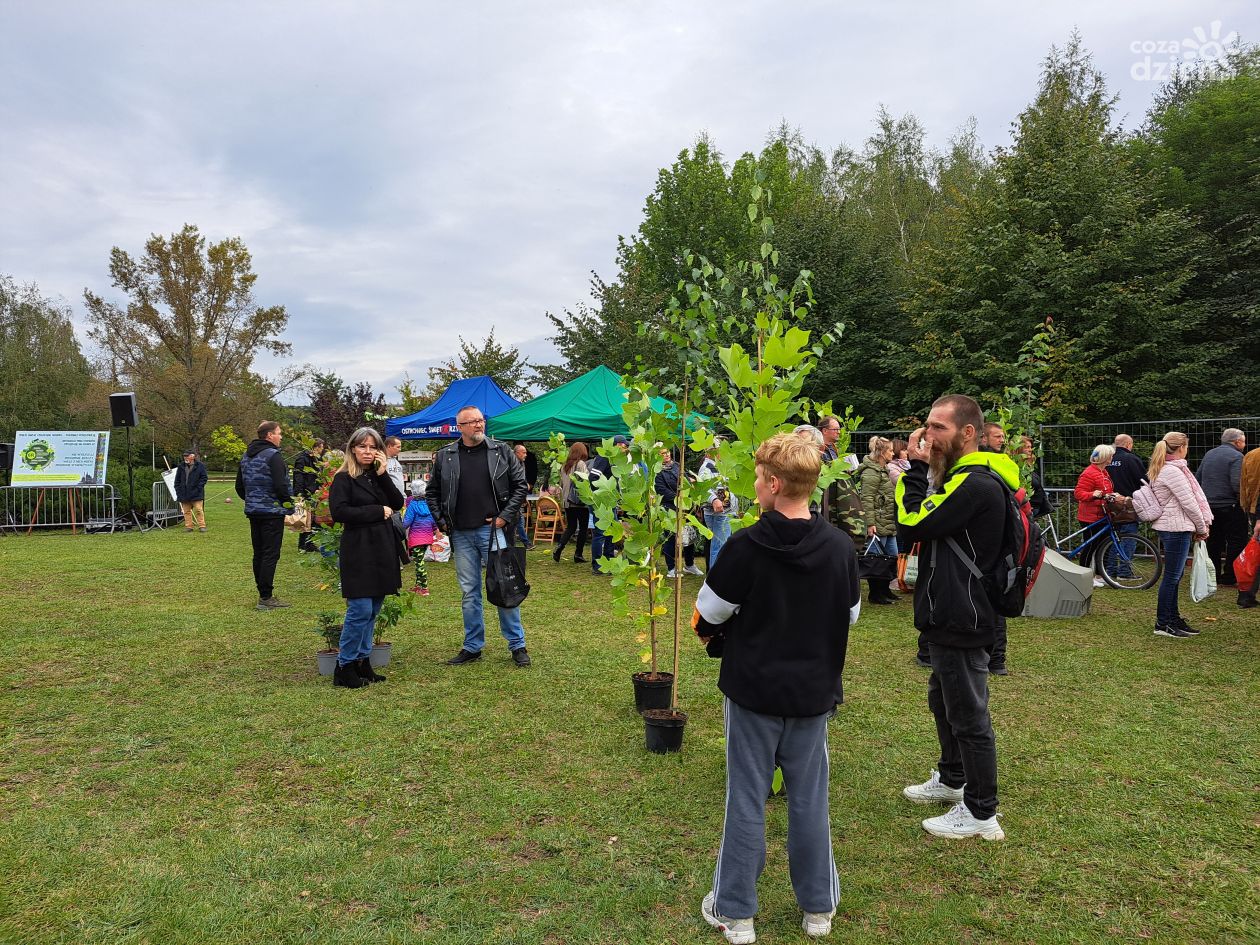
point(164, 508)
point(87, 508)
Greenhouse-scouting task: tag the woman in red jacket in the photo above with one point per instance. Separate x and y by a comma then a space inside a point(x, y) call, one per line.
point(1091, 487)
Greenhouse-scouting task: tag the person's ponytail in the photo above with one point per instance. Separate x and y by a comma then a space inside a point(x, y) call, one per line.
point(1158, 457)
point(1173, 440)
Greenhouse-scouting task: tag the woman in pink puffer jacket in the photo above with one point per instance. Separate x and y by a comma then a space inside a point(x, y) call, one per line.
point(1186, 518)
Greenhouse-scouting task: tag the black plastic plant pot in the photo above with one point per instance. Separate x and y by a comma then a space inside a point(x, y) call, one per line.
point(652, 693)
point(663, 730)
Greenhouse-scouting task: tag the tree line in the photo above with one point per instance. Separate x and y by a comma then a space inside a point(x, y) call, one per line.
point(1139, 247)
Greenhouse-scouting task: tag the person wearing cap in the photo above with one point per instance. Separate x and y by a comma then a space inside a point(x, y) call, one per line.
point(190, 491)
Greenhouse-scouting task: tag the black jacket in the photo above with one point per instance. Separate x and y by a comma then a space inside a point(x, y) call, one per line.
point(371, 548)
point(305, 474)
point(1127, 472)
point(782, 596)
point(666, 485)
point(951, 606)
point(190, 484)
point(506, 473)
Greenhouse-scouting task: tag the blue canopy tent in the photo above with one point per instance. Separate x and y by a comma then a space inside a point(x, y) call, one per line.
point(437, 421)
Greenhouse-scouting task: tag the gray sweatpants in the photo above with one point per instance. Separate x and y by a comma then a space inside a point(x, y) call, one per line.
point(755, 744)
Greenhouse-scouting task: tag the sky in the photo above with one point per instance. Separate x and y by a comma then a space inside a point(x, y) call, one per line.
point(407, 173)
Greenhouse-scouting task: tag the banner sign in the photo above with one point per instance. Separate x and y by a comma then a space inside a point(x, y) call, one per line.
point(59, 458)
point(432, 429)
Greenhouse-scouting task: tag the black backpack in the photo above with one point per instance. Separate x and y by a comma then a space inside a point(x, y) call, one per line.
point(1022, 554)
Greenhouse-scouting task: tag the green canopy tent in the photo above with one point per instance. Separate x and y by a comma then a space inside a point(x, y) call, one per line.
point(586, 408)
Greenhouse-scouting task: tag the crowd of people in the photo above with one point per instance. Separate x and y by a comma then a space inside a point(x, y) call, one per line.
point(778, 597)
point(1216, 504)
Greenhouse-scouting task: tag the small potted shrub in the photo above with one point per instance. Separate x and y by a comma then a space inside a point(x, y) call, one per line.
point(392, 611)
point(329, 630)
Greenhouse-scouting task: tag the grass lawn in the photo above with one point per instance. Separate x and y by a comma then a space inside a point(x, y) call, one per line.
point(174, 771)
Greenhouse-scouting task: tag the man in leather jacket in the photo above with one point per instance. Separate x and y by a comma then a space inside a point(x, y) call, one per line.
point(476, 492)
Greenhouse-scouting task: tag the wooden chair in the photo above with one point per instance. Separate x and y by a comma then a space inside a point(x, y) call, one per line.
point(550, 522)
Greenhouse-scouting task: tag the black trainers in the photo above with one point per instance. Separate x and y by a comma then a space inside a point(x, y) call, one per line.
point(521, 657)
point(1185, 627)
point(1169, 630)
point(998, 669)
point(463, 656)
point(555, 553)
point(922, 663)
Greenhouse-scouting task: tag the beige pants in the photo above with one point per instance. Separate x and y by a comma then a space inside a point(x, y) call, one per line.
point(194, 514)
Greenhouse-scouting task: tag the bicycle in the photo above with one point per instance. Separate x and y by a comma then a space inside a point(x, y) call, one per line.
point(1124, 562)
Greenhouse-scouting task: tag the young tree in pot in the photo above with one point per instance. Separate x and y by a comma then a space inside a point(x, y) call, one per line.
point(757, 392)
point(629, 511)
point(392, 611)
point(329, 629)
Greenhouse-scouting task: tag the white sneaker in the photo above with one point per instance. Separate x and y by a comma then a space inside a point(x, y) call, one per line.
point(932, 791)
point(817, 924)
point(671, 574)
point(692, 569)
point(959, 823)
point(737, 931)
point(1099, 582)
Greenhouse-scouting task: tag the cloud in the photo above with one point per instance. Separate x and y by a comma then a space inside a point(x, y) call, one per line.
point(406, 174)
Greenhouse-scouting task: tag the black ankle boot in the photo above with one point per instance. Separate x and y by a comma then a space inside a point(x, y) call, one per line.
point(365, 670)
point(348, 676)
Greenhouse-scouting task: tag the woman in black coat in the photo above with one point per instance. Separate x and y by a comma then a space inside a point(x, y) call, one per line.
point(362, 499)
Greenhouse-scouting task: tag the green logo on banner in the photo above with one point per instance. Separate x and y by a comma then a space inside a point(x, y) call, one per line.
point(38, 454)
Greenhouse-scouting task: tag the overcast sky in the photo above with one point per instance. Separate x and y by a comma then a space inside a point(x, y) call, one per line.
point(406, 173)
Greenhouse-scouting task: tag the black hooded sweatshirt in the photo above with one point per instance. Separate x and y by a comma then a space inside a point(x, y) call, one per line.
point(780, 600)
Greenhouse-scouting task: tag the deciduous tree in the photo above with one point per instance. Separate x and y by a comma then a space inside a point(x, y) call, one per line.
point(188, 333)
point(42, 369)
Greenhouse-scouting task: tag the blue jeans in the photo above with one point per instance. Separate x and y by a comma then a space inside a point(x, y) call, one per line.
point(1176, 550)
point(601, 546)
point(520, 529)
point(1123, 568)
point(358, 629)
point(469, 547)
point(720, 524)
point(883, 546)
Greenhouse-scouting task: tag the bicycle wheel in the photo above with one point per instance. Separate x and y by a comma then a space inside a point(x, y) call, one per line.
point(1130, 572)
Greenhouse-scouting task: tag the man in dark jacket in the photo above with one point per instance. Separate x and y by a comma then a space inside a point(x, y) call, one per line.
point(530, 465)
point(1127, 475)
point(306, 482)
point(190, 491)
point(263, 482)
point(475, 493)
point(777, 606)
point(1220, 475)
point(962, 521)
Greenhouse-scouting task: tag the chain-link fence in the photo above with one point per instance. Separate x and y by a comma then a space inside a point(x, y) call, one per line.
point(1065, 448)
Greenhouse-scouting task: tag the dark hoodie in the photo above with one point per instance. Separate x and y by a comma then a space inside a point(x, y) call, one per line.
point(781, 598)
point(262, 480)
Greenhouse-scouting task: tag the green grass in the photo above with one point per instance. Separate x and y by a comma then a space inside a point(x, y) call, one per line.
point(174, 771)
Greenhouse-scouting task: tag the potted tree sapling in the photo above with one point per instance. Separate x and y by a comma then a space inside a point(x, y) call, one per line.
point(628, 510)
point(328, 626)
point(392, 611)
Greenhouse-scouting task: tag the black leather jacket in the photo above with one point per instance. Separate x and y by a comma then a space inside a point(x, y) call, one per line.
point(506, 472)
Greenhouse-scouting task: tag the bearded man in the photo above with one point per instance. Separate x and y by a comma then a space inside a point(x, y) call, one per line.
point(959, 526)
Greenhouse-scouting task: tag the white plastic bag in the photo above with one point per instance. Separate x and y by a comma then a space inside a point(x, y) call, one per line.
point(440, 550)
point(1202, 574)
